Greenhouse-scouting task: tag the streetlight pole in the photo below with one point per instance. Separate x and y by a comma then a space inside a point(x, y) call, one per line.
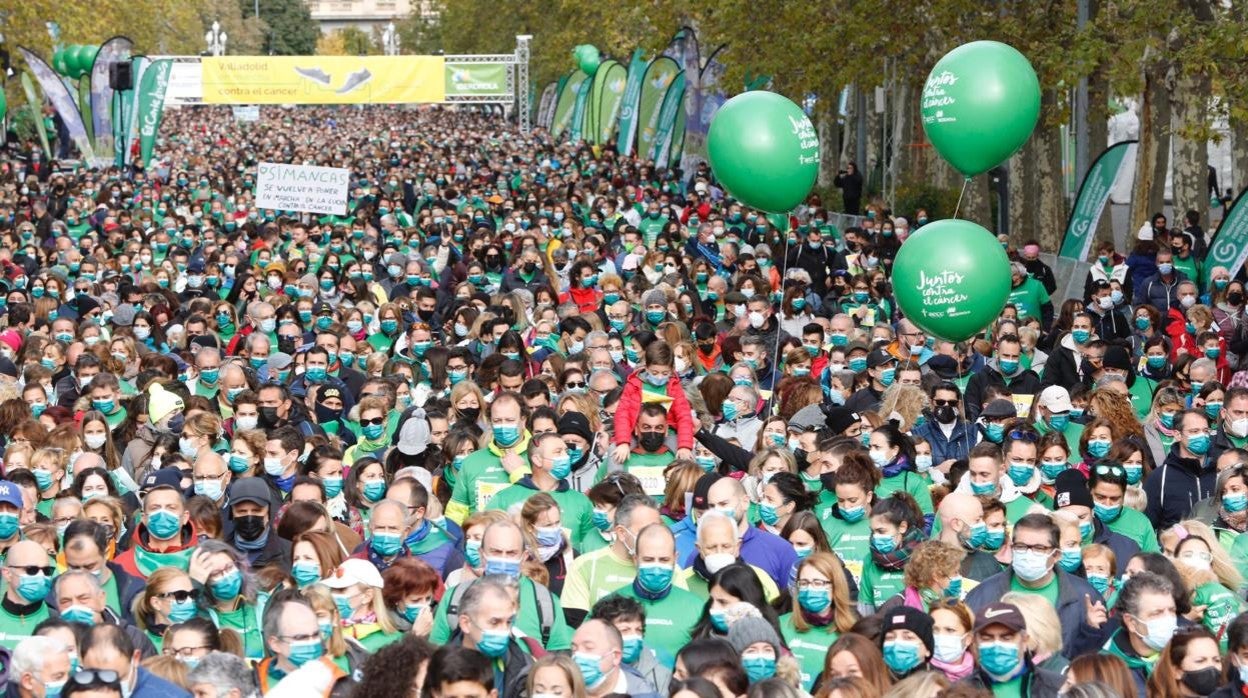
point(216, 39)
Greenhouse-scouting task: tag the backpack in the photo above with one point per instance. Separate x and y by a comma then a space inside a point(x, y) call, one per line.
point(545, 607)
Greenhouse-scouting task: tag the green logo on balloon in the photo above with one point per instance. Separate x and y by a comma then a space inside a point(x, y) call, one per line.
point(980, 105)
point(951, 279)
point(764, 150)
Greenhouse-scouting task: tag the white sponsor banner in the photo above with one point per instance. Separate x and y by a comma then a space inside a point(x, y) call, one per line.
point(302, 188)
point(251, 113)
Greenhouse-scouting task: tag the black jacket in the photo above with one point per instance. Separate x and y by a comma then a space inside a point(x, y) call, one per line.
point(1024, 382)
point(1174, 489)
point(1037, 682)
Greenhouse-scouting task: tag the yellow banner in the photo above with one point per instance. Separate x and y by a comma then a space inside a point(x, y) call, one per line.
point(324, 79)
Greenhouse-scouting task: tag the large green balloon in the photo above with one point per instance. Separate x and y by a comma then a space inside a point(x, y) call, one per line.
point(58, 62)
point(4, 103)
point(980, 105)
point(587, 58)
point(88, 57)
point(764, 150)
point(951, 278)
point(73, 60)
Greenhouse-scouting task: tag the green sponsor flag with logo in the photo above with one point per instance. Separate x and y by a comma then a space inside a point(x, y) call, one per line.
point(566, 104)
point(677, 148)
point(1093, 194)
point(593, 115)
point(628, 104)
point(673, 107)
point(658, 78)
point(578, 111)
point(36, 113)
point(609, 85)
point(476, 80)
point(1229, 247)
point(151, 105)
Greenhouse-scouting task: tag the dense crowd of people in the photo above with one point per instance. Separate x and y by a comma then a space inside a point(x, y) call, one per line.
point(534, 419)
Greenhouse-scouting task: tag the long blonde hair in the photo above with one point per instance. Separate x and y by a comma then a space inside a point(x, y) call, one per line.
point(843, 613)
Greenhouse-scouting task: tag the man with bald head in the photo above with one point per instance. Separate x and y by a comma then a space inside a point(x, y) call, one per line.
point(600, 572)
point(961, 519)
point(671, 612)
point(502, 552)
point(23, 607)
point(232, 381)
point(212, 476)
point(598, 651)
point(760, 548)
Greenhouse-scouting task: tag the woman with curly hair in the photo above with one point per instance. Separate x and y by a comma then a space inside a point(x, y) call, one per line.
point(1115, 408)
point(909, 402)
point(398, 669)
point(932, 574)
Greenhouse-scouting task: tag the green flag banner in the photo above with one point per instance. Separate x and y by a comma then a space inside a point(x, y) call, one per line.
point(673, 107)
point(578, 111)
point(596, 93)
point(1229, 247)
point(1093, 194)
point(36, 113)
point(566, 104)
point(628, 104)
point(152, 105)
point(612, 76)
point(476, 80)
point(130, 107)
point(654, 85)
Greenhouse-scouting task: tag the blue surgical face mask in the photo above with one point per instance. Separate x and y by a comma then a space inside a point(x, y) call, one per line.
point(504, 566)
point(1000, 659)
point(902, 656)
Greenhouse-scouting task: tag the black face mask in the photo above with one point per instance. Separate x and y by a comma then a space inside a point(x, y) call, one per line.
point(1235, 298)
point(323, 414)
point(286, 345)
point(470, 414)
point(828, 480)
point(529, 268)
point(1203, 682)
point(651, 441)
point(268, 417)
point(249, 527)
point(945, 414)
point(426, 315)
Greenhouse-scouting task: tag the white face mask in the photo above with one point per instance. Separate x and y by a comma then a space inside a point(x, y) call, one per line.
point(718, 561)
point(681, 365)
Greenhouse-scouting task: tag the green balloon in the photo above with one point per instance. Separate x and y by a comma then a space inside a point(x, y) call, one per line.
point(4, 104)
point(951, 278)
point(72, 60)
point(764, 150)
point(587, 58)
point(88, 57)
point(58, 61)
point(980, 105)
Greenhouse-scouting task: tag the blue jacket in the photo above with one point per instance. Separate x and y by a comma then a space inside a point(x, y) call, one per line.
point(686, 534)
point(766, 551)
point(1158, 293)
point(148, 685)
point(957, 447)
point(1077, 636)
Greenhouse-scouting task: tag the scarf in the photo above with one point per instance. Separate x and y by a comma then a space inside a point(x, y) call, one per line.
point(819, 620)
point(1237, 521)
point(285, 484)
point(958, 670)
point(897, 559)
point(895, 468)
point(252, 545)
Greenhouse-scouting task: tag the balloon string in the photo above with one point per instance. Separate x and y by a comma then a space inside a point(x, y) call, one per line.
point(784, 267)
point(960, 195)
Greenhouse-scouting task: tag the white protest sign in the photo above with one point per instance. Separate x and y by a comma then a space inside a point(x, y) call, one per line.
point(247, 113)
point(302, 188)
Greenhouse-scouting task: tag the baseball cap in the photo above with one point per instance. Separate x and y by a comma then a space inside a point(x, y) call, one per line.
point(10, 494)
point(351, 572)
point(998, 613)
point(999, 409)
point(879, 357)
point(702, 490)
point(171, 477)
point(1055, 399)
point(249, 489)
point(414, 436)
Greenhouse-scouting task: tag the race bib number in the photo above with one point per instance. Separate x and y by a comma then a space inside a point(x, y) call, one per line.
point(486, 492)
point(651, 477)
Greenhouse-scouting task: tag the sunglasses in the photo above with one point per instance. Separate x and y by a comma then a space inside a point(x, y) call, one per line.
point(90, 677)
point(945, 403)
point(372, 422)
point(1024, 435)
point(32, 570)
point(575, 384)
point(1112, 470)
point(181, 595)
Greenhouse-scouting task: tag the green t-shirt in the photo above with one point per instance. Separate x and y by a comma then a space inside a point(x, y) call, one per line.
point(528, 620)
point(669, 620)
point(14, 629)
point(1048, 591)
point(1072, 432)
point(1136, 526)
point(246, 621)
point(576, 512)
point(481, 477)
point(647, 467)
point(375, 641)
point(809, 648)
point(850, 541)
point(879, 585)
point(1009, 689)
point(1029, 297)
point(910, 483)
point(1017, 508)
point(595, 575)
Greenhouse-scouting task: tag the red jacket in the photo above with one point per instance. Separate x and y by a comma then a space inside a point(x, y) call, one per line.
point(587, 300)
point(679, 414)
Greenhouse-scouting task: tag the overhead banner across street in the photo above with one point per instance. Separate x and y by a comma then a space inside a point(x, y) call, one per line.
point(324, 80)
point(477, 79)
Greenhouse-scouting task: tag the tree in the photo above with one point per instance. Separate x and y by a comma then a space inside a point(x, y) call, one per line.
point(291, 29)
point(358, 42)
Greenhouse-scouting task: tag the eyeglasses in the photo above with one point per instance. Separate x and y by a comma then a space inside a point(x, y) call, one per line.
point(184, 651)
point(301, 638)
point(180, 595)
point(372, 422)
point(88, 677)
point(1038, 549)
point(814, 584)
point(32, 570)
